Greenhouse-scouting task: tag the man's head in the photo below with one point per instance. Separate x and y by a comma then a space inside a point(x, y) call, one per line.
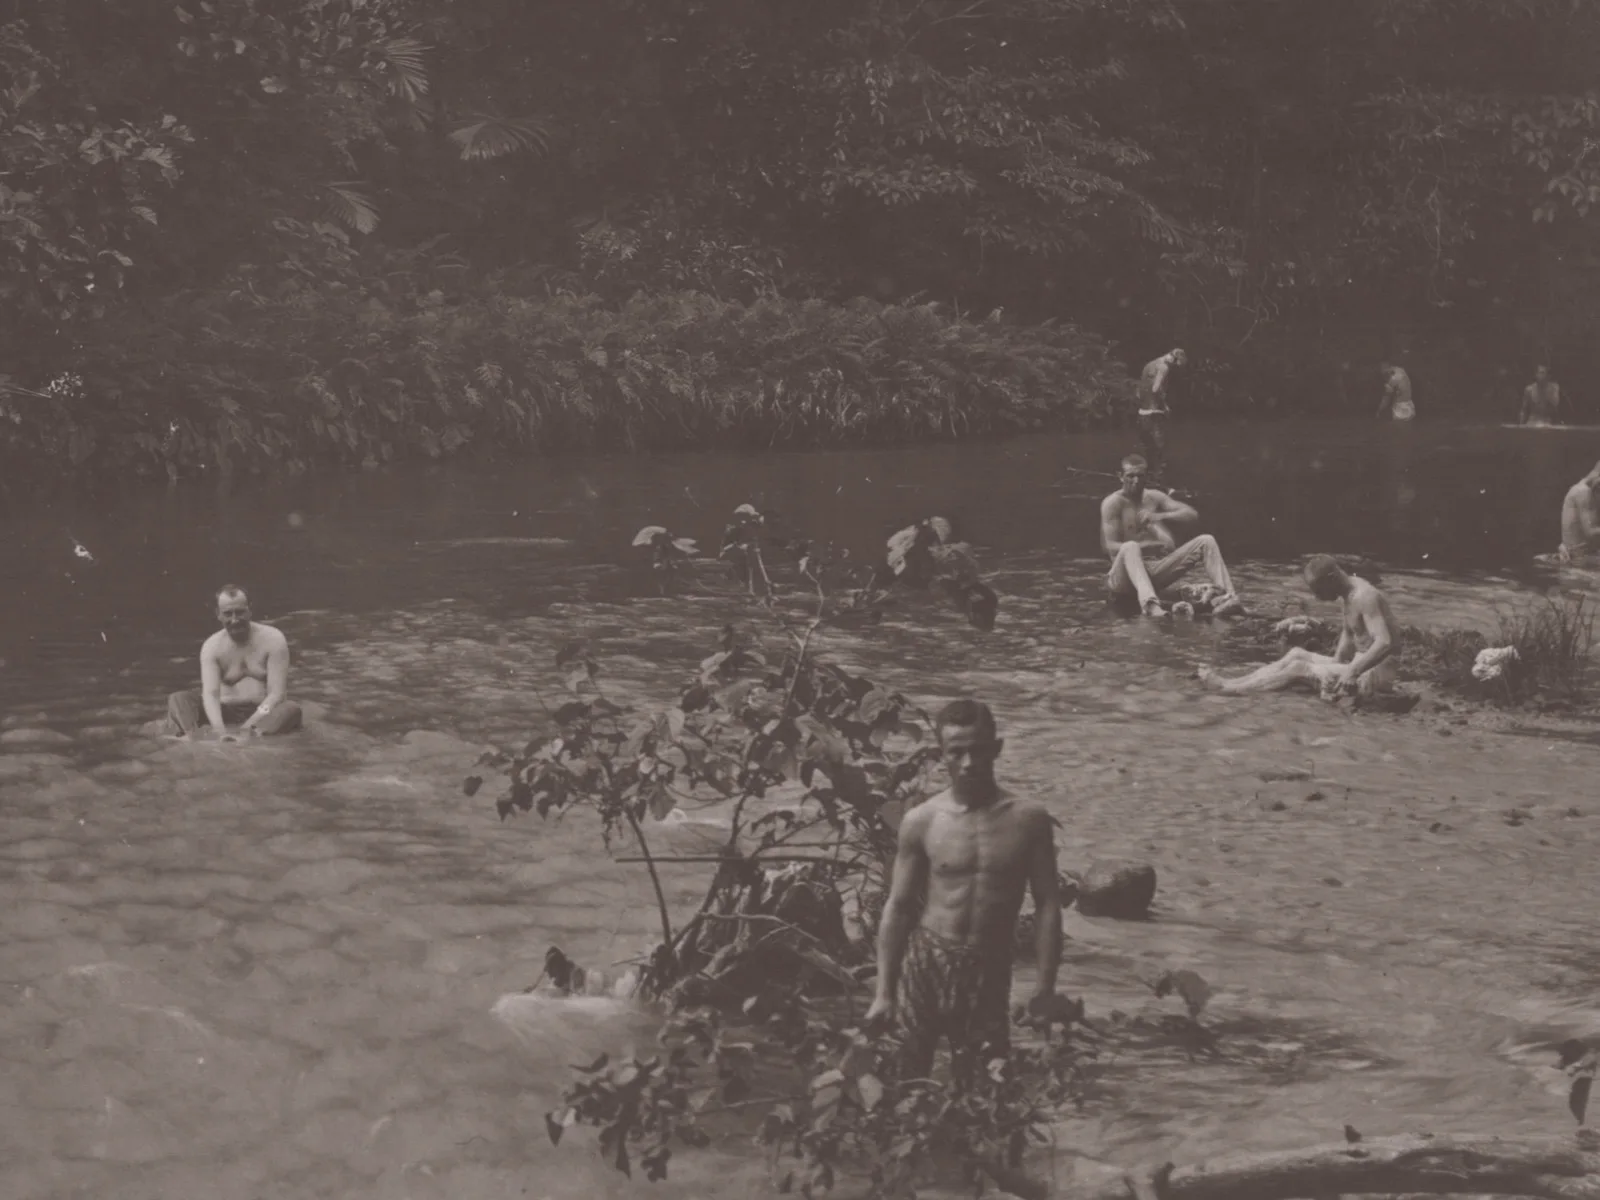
point(968, 742)
point(1134, 472)
point(1541, 373)
point(1325, 577)
point(233, 610)
point(1178, 357)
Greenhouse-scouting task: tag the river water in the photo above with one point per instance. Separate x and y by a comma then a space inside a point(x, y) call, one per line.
point(271, 970)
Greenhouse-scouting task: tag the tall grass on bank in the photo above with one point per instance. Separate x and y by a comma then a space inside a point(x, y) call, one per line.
point(1553, 638)
point(335, 373)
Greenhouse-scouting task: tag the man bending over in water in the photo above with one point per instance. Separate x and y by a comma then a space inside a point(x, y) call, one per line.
point(244, 678)
point(1134, 520)
point(1541, 400)
point(1153, 410)
point(1362, 662)
point(1580, 519)
point(965, 858)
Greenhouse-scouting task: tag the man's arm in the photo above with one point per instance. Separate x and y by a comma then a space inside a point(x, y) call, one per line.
point(1168, 509)
point(1588, 527)
point(1375, 611)
point(211, 685)
point(277, 682)
point(1044, 880)
point(1110, 527)
point(1346, 649)
point(907, 891)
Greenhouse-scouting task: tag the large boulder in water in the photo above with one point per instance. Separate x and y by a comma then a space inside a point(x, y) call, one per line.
point(1117, 889)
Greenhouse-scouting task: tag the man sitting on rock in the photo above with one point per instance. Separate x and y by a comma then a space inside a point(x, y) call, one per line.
point(1362, 664)
point(1580, 520)
point(964, 860)
point(244, 679)
point(1134, 520)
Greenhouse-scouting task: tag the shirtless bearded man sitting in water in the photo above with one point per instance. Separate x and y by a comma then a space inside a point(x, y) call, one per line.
point(1362, 662)
point(1134, 520)
point(964, 859)
point(244, 678)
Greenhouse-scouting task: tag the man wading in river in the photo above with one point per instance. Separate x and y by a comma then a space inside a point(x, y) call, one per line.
point(1541, 400)
point(1153, 410)
point(1362, 662)
point(1134, 520)
point(244, 678)
point(1396, 393)
point(964, 859)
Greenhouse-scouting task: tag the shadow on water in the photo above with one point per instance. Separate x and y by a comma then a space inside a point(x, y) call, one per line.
point(283, 968)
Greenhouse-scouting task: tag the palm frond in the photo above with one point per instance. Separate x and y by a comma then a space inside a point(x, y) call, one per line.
point(349, 206)
point(403, 56)
point(495, 137)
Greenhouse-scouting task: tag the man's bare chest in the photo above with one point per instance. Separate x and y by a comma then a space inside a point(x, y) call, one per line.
point(236, 662)
point(974, 844)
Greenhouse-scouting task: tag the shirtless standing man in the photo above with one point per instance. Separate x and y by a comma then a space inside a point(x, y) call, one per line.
point(1134, 520)
point(1396, 393)
point(1580, 519)
point(1541, 399)
point(244, 677)
point(1361, 664)
point(964, 859)
point(1153, 410)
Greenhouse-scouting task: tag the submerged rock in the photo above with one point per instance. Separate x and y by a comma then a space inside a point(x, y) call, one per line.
point(33, 737)
point(1120, 889)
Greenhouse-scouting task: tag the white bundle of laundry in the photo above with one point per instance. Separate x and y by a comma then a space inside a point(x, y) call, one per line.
point(1492, 661)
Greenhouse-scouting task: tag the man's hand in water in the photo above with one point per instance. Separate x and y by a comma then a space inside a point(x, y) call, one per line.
point(1346, 683)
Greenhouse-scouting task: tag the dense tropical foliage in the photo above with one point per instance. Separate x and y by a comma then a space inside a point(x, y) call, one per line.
point(286, 230)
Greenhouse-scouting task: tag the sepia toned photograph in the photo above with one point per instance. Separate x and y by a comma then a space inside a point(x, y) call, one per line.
point(847, 599)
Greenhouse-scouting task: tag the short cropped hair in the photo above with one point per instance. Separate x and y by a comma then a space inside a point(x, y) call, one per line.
point(1135, 462)
point(230, 590)
point(967, 714)
point(1320, 567)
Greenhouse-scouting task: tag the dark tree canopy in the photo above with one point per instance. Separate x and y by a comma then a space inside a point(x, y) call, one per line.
point(1287, 188)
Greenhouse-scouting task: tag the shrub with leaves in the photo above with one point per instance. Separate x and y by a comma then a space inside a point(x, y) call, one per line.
point(282, 370)
point(1553, 639)
point(813, 766)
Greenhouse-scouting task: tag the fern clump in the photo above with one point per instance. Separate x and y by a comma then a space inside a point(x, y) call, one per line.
point(374, 373)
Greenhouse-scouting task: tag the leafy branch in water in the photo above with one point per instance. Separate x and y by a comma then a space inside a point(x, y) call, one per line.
point(812, 765)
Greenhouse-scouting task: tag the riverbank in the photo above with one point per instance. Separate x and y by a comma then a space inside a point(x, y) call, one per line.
point(367, 373)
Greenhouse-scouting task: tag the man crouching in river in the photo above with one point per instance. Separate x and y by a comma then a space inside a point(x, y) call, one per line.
point(1133, 520)
point(964, 859)
point(1362, 663)
point(244, 678)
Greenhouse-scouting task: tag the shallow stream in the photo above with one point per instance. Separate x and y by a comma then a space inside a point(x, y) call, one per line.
point(270, 970)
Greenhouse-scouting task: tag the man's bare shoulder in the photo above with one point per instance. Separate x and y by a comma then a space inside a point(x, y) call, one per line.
point(269, 637)
point(916, 821)
point(215, 644)
point(1113, 504)
point(1365, 595)
point(1024, 809)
